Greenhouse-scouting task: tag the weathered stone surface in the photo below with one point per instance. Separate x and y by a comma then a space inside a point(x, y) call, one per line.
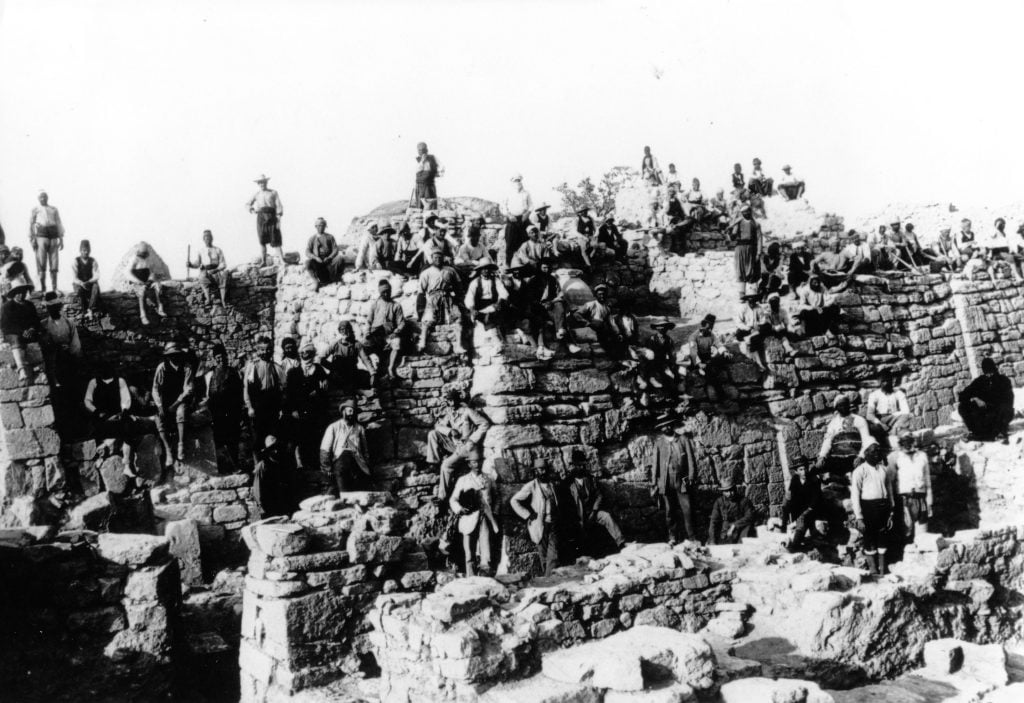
point(507, 436)
point(133, 549)
point(91, 514)
point(762, 690)
point(152, 583)
point(184, 547)
point(538, 689)
point(985, 663)
point(367, 547)
point(280, 540)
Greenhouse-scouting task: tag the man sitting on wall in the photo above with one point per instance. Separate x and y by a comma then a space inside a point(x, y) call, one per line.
point(790, 187)
point(615, 331)
point(986, 405)
point(439, 286)
point(887, 411)
point(458, 436)
point(832, 266)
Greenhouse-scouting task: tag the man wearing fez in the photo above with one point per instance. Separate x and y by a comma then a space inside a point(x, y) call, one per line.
point(343, 452)
point(266, 204)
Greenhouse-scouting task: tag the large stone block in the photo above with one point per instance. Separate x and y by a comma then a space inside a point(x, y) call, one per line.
point(153, 583)
point(506, 436)
point(185, 548)
point(372, 547)
point(133, 549)
point(501, 378)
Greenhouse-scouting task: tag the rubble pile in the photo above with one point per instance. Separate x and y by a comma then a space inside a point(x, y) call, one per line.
point(86, 615)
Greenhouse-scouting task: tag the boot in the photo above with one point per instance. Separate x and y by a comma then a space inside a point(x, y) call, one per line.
point(883, 569)
point(872, 563)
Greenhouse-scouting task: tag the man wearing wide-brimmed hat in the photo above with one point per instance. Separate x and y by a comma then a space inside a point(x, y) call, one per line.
point(266, 203)
point(376, 249)
point(539, 217)
point(673, 476)
point(46, 233)
point(733, 516)
point(60, 342)
point(516, 208)
point(19, 321)
point(610, 239)
point(324, 260)
point(658, 366)
point(344, 454)
point(172, 390)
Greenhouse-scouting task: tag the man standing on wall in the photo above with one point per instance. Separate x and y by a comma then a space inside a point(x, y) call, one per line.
point(517, 211)
point(172, 390)
point(343, 452)
point(673, 473)
point(457, 436)
point(537, 503)
point(266, 204)
point(264, 392)
point(428, 169)
point(746, 233)
point(46, 234)
point(214, 276)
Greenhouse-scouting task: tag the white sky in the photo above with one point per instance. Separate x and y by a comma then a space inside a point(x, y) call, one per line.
point(149, 120)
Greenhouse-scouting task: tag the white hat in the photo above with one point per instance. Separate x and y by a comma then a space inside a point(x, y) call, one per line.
point(517, 177)
point(262, 178)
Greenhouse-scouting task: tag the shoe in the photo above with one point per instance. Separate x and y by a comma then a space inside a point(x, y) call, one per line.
point(161, 313)
point(145, 320)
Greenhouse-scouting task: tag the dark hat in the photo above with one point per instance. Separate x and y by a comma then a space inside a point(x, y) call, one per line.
point(750, 296)
point(172, 348)
point(988, 365)
point(383, 283)
point(522, 268)
point(288, 340)
point(485, 265)
point(218, 348)
point(709, 319)
point(347, 403)
point(600, 286)
point(429, 220)
point(662, 322)
point(51, 298)
point(578, 456)
point(453, 394)
point(386, 229)
point(583, 210)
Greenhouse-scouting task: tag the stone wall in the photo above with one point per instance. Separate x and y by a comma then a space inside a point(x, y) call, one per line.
point(87, 616)
point(311, 583)
point(457, 642)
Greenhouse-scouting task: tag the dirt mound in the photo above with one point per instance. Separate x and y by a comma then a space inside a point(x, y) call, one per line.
point(394, 212)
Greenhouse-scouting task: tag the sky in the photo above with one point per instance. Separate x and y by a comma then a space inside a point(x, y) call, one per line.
point(149, 121)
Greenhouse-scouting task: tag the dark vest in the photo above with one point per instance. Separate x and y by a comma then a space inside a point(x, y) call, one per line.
point(107, 396)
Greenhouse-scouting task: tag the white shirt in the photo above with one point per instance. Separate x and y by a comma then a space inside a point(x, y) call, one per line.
point(913, 474)
point(882, 403)
point(45, 216)
point(211, 256)
point(836, 424)
point(862, 250)
point(997, 240)
point(518, 203)
point(789, 179)
point(870, 483)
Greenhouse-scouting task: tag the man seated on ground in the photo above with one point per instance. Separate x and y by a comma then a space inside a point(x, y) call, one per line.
point(887, 410)
point(108, 403)
point(846, 439)
point(407, 252)
point(759, 183)
point(986, 405)
point(172, 393)
point(694, 206)
point(387, 327)
point(913, 485)
point(545, 308)
point(803, 507)
point(439, 287)
point(832, 265)
point(487, 298)
point(473, 500)
point(376, 250)
point(789, 186)
point(344, 454)
point(144, 283)
point(85, 280)
point(799, 269)
point(658, 358)
point(537, 503)
point(342, 361)
point(610, 241)
point(859, 253)
point(771, 272)
point(615, 331)
point(532, 250)
point(709, 357)
point(324, 261)
point(587, 501)
point(457, 437)
point(472, 253)
point(814, 310)
point(733, 516)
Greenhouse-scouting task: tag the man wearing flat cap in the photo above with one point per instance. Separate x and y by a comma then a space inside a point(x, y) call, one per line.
point(487, 298)
point(324, 261)
point(344, 455)
point(306, 402)
point(266, 204)
point(46, 234)
point(428, 169)
point(516, 209)
point(172, 391)
point(387, 328)
point(457, 437)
